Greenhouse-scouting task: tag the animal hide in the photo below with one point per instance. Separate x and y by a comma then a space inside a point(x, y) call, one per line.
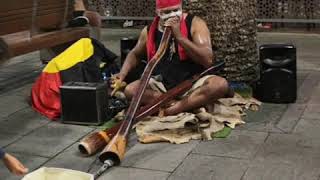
point(201, 124)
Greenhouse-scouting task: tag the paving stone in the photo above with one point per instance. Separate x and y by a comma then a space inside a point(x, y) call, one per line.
point(307, 51)
point(278, 171)
point(10, 104)
point(121, 173)
point(301, 77)
point(26, 65)
point(307, 88)
point(291, 117)
point(315, 98)
point(24, 91)
point(29, 58)
point(240, 144)
point(3, 118)
point(71, 158)
point(308, 128)
point(4, 76)
point(293, 140)
point(50, 139)
point(279, 154)
point(18, 81)
point(209, 167)
point(158, 156)
point(308, 63)
point(290, 149)
point(265, 119)
point(31, 162)
point(21, 69)
point(23, 121)
point(312, 111)
point(8, 138)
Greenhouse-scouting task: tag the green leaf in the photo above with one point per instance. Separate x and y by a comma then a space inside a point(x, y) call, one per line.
point(108, 124)
point(225, 132)
point(242, 89)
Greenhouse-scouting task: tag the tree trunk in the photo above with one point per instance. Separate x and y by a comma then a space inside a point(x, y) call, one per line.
point(233, 31)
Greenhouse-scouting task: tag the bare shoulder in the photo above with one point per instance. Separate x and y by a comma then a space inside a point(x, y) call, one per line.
point(198, 24)
point(143, 36)
point(198, 20)
point(141, 44)
point(144, 33)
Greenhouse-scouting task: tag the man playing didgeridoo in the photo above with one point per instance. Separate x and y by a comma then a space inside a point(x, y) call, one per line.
point(189, 53)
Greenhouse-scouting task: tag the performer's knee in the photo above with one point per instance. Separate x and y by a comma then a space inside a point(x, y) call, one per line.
point(218, 85)
point(131, 89)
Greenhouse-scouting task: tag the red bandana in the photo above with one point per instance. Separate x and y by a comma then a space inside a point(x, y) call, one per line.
point(167, 3)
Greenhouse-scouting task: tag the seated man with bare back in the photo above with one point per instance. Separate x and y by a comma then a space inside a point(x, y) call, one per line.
point(189, 53)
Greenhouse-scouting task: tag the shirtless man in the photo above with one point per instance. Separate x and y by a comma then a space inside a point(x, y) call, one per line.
point(189, 53)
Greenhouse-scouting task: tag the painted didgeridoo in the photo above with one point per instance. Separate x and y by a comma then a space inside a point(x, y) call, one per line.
point(114, 152)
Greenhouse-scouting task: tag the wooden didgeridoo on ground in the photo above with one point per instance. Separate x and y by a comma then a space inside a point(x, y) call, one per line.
point(97, 140)
point(115, 150)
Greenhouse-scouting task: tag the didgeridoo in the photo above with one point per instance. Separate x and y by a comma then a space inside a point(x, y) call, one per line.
point(114, 152)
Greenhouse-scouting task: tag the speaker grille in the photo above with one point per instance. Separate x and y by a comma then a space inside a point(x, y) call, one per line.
point(84, 103)
point(278, 79)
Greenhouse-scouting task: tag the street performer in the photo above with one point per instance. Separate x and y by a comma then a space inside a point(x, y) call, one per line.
point(189, 53)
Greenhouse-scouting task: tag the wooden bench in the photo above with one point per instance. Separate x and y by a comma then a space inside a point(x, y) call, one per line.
point(30, 25)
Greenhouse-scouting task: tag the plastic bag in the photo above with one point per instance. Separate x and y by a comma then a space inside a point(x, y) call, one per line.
point(45, 173)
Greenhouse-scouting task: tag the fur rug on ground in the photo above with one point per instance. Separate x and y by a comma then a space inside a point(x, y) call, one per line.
point(201, 124)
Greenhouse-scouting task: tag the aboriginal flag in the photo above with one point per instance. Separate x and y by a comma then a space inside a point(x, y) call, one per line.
point(79, 63)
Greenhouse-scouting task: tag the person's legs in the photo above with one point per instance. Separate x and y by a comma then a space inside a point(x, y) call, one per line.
point(148, 97)
point(213, 88)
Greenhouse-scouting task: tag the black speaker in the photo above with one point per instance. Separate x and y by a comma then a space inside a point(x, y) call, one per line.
point(84, 103)
point(278, 73)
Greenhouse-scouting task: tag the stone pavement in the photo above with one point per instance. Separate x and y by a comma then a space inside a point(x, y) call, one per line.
point(280, 142)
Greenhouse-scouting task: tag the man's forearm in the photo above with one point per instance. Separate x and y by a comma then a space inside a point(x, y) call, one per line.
point(200, 55)
point(130, 62)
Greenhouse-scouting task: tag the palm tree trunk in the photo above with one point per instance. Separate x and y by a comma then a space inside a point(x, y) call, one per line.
point(233, 31)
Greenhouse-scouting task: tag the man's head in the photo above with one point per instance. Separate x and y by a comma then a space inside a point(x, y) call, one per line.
point(167, 9)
